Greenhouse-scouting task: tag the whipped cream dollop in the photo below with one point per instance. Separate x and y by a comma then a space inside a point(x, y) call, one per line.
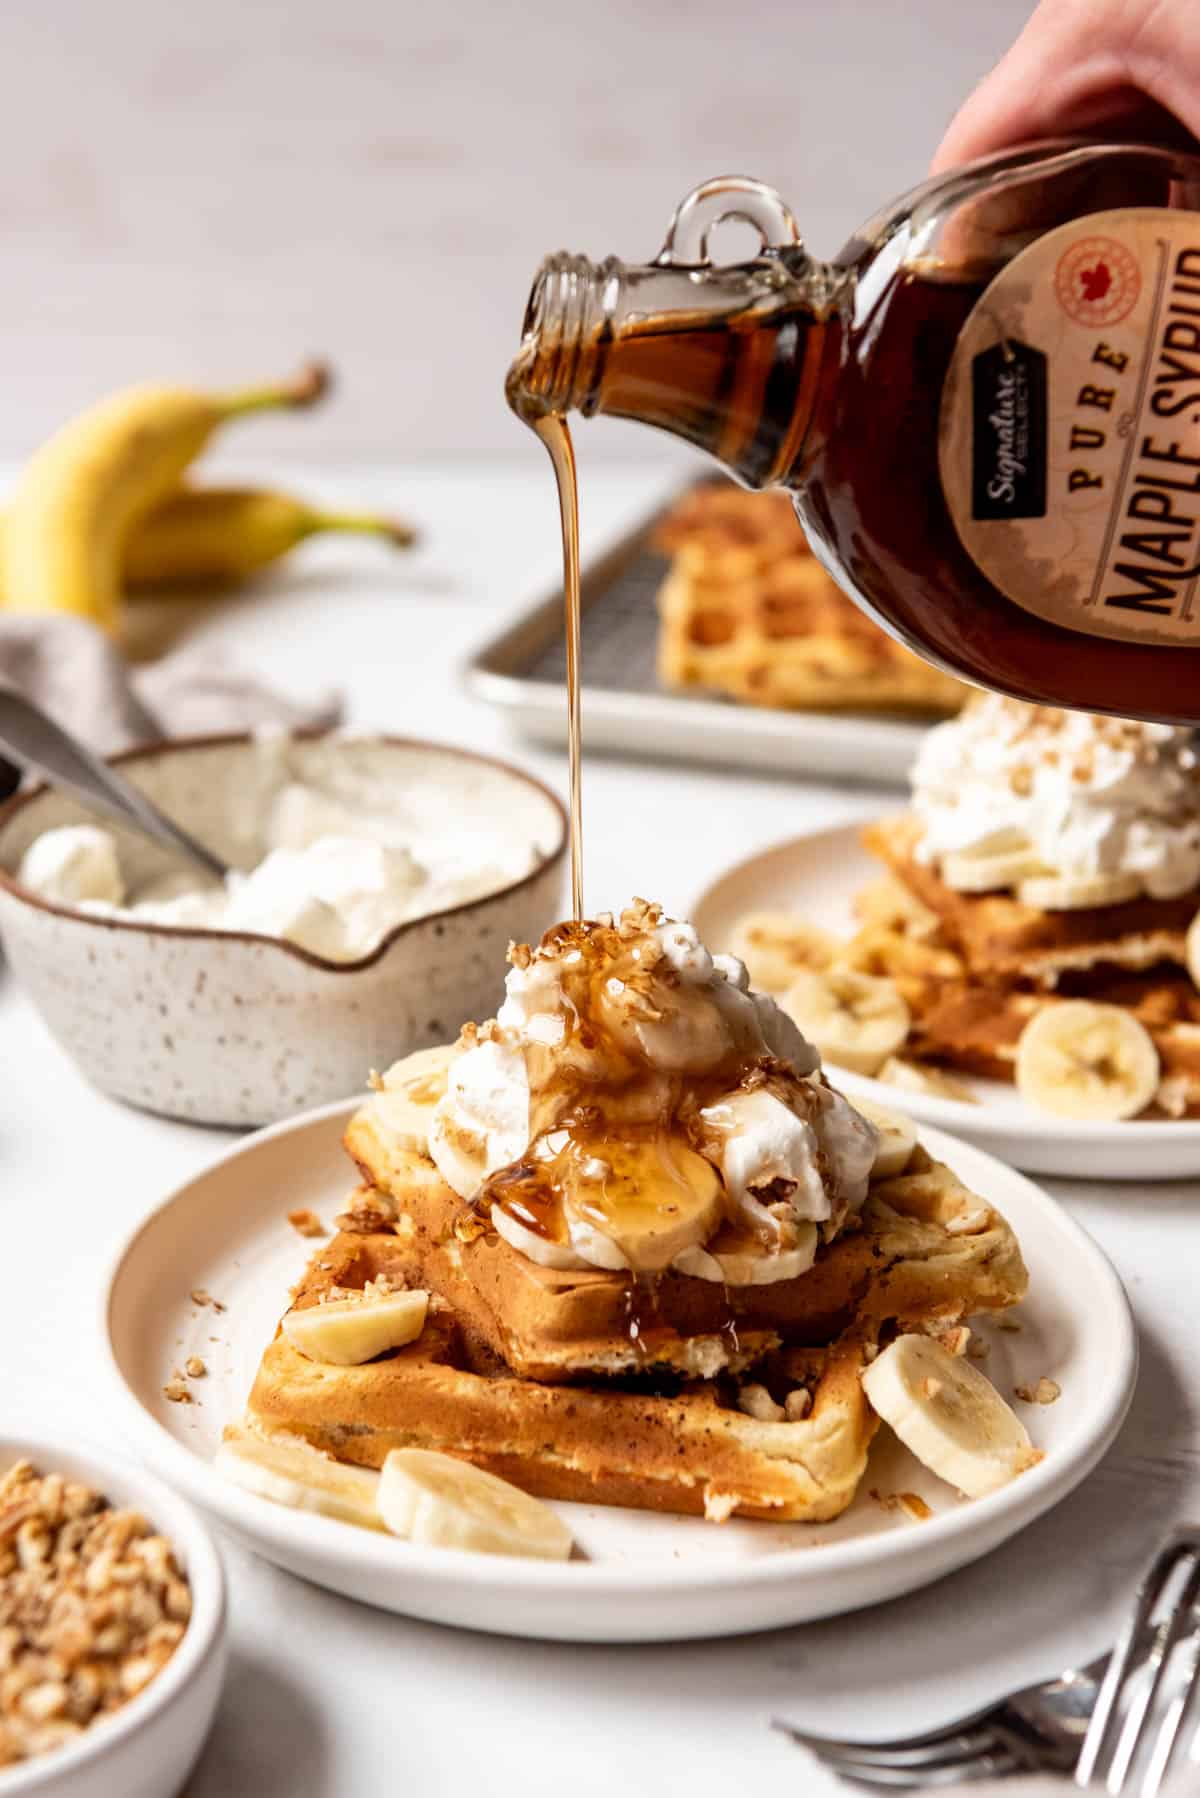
point(1088, 795)
point(331, 880)
point(636, 1104)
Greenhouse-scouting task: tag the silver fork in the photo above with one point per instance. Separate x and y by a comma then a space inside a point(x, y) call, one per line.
point(1040, 1727)
point(1151, 1678)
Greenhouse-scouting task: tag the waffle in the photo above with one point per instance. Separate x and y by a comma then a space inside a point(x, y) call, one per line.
point(974, 1027)
point(1003, 942)
point(748, 611)
point(928, 1252)
point(926, 1247)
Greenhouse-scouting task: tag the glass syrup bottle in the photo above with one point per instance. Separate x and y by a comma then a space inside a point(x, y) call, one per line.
point(987, 407)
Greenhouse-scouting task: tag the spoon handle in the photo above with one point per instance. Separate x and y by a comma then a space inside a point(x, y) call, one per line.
point(36, 741)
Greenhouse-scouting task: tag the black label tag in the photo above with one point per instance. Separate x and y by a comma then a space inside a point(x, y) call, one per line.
point(1008, 460)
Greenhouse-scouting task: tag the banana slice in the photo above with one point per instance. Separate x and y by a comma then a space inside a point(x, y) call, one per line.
point(855, 1019)
point(1001, 860)
point(948, 1415)
point(917, 1079)
point(411, 1088)
point(1193, 950)
point(441, 1502)
point(291, 1472)
point(640, 1204)
point(1077, 1059)
point(737, 1260)
point(777, 945)
point(1058, 892)
point(888, 904)
point(897, 1138)
point(347, 1332)
point(527, 1242)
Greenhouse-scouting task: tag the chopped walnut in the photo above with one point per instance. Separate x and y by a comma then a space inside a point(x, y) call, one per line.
point(1011, 1325)
point(176, 1390)
point(194, 1368)
point(198, 1296)
point(911, 1503)
point(978, 1349)
point(306, 1222)
point(369, 1213)
point(1044, 1393)
point(92, 1606)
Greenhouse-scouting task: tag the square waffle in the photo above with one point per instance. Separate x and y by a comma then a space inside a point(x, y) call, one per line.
point(926, 1248)
point(1003, 942)
point(748, 611)
point(929, 1252)
point(974, 1027)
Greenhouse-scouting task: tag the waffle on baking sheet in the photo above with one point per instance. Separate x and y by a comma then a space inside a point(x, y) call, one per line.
point(747, 610)
point(928, 1254)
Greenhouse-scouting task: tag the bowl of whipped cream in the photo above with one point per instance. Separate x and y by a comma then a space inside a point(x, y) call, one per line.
point(375, 883)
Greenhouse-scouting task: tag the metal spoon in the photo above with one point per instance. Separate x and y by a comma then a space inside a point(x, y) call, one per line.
point(34, 740)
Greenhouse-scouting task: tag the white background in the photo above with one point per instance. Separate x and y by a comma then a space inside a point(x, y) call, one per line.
point(215, 189)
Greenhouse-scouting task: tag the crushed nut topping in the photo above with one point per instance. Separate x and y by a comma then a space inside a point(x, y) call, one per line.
point(194, 1368)
point(306, 1222)
point(177, 1392)
point(198, 1296)
point(911, 1503)
point(1044, 1393)
point(92, 1606)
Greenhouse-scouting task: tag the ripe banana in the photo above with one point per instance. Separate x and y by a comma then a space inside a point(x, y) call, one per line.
point(1062, 892)
point(349, 1332)
point(777, 945)
point(405, 1099)
point(897, 1138)
point(291, 1472)
point(739, 1260)
point(1079, 1059)
point(888, 903)
point(1001, 860)
point(1193, 950)
point(84, 491)
point(856, 1020)
point(210, 536)
point(440, 1502)
point(948, 1415)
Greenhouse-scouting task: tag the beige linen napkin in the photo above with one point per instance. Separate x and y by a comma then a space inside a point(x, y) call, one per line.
point(79, 676)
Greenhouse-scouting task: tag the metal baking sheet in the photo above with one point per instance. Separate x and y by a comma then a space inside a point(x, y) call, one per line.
point(626, 710)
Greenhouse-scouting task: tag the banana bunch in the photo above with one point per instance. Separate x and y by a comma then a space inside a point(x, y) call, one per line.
point(100, 510)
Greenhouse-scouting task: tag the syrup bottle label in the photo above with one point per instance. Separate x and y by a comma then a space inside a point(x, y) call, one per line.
point(1069, 437)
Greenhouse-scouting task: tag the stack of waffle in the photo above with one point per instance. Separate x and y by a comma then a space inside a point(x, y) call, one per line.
point(978, 966)
point(585, 1385)
point(748, 611)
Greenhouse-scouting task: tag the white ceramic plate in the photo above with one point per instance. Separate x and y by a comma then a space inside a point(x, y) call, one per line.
point(818, 876)
point(638, 1577)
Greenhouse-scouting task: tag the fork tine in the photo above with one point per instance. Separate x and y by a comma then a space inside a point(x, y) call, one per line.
point(1142, 1708)
point(1184, 1544)
point(907, 1751)
point(996, 1765)
point(930, 1754)
point(1172, 1722)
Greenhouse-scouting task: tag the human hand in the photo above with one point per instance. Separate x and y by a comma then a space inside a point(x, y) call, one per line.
point(1110, 68)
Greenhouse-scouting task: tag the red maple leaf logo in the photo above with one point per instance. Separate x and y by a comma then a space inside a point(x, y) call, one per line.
point(1095, 282)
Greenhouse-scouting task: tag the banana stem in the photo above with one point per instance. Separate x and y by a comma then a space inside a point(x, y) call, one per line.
point(369, 524)
point(307, 386)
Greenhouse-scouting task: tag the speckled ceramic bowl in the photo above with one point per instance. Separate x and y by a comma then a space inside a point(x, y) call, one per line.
point(227, 1028)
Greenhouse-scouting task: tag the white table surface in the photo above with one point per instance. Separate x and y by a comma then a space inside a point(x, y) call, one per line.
point(327, 1699)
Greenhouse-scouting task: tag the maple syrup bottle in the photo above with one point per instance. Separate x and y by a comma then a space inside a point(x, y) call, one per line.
point(987, 407)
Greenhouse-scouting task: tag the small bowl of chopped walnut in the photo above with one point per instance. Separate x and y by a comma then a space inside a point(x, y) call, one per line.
point(112, 1627)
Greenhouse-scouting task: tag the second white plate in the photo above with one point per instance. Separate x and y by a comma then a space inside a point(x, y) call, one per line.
point(637, 1577)
point(817, 876)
